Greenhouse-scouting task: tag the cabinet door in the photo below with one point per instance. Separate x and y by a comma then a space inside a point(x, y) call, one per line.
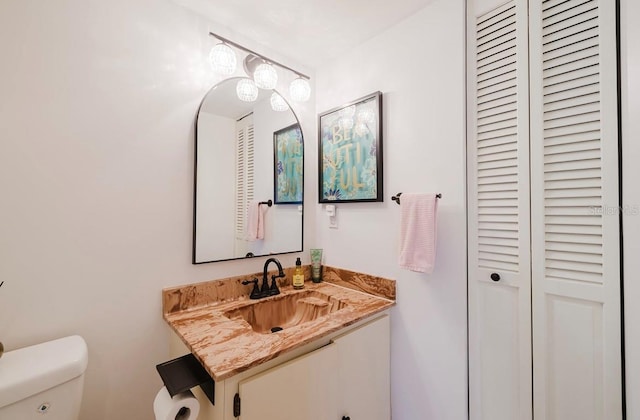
point(363, 372)
point(577, 360)
point(302, 389)
point(498, 238)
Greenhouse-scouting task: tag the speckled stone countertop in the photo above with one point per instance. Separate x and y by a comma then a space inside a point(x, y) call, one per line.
point(226, 347)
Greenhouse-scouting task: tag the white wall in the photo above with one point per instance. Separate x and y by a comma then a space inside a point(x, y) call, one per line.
point(419, 66)
point(630, 66)
point(97, 108)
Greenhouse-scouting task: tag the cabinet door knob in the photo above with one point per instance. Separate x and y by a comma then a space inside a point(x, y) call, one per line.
point(346, 418)
point(495, 276)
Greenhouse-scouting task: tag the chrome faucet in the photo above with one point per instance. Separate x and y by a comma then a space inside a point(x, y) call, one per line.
point(265, 290)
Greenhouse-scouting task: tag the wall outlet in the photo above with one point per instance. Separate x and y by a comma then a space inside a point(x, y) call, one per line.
point(331, 212)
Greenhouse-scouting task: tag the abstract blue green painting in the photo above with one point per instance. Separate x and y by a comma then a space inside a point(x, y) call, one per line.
point(288, 165)
point(350, 151)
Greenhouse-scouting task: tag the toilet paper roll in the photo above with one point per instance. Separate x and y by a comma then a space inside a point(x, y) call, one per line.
point(183, 406)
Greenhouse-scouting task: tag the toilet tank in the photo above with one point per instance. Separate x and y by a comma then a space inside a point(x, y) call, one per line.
point(44, 381)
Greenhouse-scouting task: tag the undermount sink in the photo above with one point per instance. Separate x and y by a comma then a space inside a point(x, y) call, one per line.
point(286, 310)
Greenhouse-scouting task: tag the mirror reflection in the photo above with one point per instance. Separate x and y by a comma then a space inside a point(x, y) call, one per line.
point(248, 176)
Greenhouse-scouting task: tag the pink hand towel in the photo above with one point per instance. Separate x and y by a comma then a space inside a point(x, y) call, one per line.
point(255, 222)
point(418, 232)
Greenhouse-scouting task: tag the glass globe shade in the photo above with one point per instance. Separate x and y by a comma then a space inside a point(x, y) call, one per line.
point(247, 90)
point(222, 59)
point(265, 76)
point(278, 103)
point(300, 90)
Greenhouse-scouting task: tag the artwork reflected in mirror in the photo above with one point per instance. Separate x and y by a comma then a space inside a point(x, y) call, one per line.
point(239, 147)
point(288, 165)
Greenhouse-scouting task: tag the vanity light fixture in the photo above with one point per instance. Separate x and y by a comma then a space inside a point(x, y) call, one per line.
point(278, 103)
point(223, 59)
point(265, 75)
point(247, 90)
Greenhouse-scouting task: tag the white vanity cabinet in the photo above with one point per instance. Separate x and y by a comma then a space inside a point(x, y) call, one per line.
point(345, 376)
point(348, 378)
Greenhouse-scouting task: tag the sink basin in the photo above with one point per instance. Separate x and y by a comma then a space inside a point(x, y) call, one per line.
point(285, 311)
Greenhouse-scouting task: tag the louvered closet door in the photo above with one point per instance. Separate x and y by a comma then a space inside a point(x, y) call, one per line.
point(574, 196)
point(499, 245)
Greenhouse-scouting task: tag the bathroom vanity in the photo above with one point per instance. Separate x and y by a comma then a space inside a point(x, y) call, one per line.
point(330, 360)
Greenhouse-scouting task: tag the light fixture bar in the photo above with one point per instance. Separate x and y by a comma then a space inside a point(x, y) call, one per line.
point(245, 49)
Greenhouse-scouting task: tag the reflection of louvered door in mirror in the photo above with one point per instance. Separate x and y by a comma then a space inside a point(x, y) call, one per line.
point(544, 280)
point(577, 366)
point(245, 180)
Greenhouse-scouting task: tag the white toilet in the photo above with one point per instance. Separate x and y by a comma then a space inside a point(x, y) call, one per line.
point(43, 381)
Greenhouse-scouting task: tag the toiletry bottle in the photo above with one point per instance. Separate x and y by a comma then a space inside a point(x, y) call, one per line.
point(316, 265)
point(298, 276)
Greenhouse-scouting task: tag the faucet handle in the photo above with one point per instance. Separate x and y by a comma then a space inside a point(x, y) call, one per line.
point(273, 290)
point(255, 292)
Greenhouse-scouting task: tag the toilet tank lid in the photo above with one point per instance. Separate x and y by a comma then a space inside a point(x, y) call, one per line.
point(31, 370)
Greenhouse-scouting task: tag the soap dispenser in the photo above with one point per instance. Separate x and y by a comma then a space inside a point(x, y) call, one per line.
point(298, 276)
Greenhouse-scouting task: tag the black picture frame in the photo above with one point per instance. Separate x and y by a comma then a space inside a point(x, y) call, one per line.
point(350, 153)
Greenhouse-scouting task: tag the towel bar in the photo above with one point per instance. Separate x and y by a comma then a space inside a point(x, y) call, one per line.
point(396, 197)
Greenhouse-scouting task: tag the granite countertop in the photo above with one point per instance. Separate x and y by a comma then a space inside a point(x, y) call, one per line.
point(226, 347)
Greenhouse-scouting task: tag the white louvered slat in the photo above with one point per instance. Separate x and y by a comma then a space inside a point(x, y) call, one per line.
point(498, 151)
point(557, 77)
point(566, 11)
point(593, 248)
point(496, 32)
point(496, 118)
point(581, 109)
point(573, 238)
point(562, 25)
point(582, 26)
point(488, 82)
point(587, 181)
point(494, 49)
point(552, 177)
point(569, 50)
point(555, 43)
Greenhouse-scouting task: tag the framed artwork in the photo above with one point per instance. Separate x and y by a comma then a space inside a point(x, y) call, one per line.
point(350, 152)
point(288, 165)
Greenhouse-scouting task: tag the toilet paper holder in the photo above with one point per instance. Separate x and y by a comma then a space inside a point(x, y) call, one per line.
point(184, 373)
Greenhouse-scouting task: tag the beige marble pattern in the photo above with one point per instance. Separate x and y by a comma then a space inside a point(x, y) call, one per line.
point(218, 324)
point(366, 283)
point(201, 294)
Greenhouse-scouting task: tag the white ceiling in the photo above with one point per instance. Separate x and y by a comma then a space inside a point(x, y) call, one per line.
point(309, 31)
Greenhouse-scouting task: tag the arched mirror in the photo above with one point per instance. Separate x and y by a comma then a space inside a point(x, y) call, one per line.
point(248, 177)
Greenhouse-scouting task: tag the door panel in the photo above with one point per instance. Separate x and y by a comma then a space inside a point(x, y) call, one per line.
point(304, 388)
point(498, 171)
point(574, 214)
